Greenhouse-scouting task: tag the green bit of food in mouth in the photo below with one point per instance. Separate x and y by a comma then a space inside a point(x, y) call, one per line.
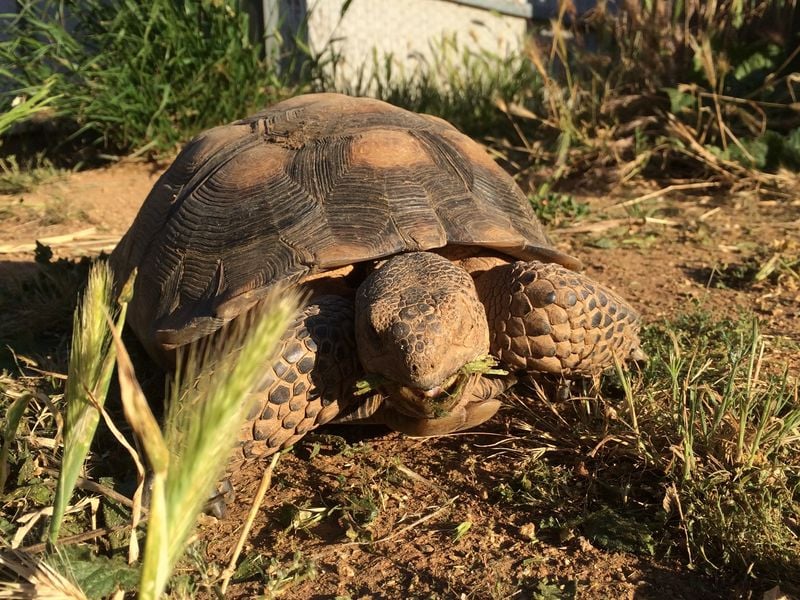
point(486, 364)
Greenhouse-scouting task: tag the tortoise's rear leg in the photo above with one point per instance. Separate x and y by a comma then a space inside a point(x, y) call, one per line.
point(545, 318)
point(310, 382)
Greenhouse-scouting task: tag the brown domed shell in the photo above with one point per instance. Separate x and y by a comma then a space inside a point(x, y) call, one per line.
point(312, 183)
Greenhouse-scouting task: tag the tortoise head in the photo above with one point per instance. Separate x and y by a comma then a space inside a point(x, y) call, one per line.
point(418, 322)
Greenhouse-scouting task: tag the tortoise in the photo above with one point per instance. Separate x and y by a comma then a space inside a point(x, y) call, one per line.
point(418, 254)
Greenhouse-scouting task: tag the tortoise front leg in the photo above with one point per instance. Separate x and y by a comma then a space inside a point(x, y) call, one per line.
point(547, 319)
point(310, 382)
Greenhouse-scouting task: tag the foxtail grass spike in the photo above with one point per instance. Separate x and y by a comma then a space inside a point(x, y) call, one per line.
point(92, 359)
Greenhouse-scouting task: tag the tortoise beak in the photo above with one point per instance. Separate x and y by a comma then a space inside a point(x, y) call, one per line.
point(433, 392)
point(430, 403)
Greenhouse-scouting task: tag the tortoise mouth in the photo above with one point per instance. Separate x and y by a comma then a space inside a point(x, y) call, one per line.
point(434, 403)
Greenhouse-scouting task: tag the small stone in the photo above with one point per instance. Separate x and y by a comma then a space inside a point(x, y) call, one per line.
point(528, 531)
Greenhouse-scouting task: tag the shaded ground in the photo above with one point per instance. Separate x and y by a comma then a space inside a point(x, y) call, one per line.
point(380, 516)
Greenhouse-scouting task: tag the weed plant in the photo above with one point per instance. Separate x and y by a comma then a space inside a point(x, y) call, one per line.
point(138, 76)
point(709, 85)
point(707, 89)
point(460, 85)
point(206, 409)
point(700, 451)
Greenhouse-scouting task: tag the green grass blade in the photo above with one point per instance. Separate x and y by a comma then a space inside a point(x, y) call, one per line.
point(91, 363)
point(39, 101)
point(13, 415)
point(205, 414)
point(202, 430)
point(155, 565)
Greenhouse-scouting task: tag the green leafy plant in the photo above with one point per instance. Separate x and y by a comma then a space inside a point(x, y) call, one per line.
point(557, 209)
point(137, 76)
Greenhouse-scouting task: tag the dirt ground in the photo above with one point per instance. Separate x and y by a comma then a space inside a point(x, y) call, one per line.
point(397, 502)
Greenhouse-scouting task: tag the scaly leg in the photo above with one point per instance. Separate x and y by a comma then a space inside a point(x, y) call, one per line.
point(310, 382)
point(545, 318)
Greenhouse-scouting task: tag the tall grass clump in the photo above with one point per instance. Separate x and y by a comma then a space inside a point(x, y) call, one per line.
point(92, 360)
point(697, 455)
point(208, 404)
point(466, 87)
point(729, 70)
point(138, 76)
point(731, 444)
point(22, 108)
point(704, 88)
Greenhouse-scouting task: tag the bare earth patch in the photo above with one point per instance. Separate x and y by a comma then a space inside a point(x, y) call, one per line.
point(391, 516)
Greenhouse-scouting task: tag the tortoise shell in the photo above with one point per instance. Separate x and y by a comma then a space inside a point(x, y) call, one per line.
point(310, 184)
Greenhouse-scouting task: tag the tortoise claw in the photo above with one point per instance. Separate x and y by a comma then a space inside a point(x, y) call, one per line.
point(222, 495)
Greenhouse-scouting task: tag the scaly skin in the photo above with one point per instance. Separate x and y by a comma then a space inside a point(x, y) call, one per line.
point(544, 318)
point(311, 381)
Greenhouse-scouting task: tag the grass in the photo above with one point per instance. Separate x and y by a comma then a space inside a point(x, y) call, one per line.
point(460, 85)
point(16, 178)
point(136, 77)
point(204, 416)
point(606, 96)
point(771, 265)
point(595, 95)
point(555, 209)
point(703, 461)
point(36, 308)
point(737, 469)
point(92, 359)
point(695, 457)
